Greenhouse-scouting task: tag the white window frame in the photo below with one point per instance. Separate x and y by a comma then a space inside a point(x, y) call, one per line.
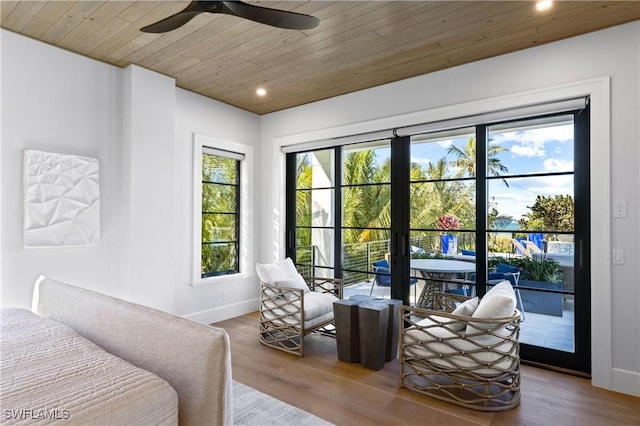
point(200, 143)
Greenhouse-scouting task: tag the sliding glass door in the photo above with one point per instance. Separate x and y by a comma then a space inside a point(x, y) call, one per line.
point(532, 226)
point(452, 211)
point(508, 197)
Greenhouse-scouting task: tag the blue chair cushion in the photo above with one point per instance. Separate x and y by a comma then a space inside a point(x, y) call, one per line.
point(503, 268)
point(381, 267)
point(501, 276)
point(381, 263)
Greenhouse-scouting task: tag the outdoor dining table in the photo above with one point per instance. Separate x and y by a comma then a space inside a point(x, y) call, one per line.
point(439, 269)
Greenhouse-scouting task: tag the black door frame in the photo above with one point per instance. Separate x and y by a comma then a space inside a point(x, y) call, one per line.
point(580, 359)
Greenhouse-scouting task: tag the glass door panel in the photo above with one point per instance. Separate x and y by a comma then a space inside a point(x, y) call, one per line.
point(314, 213)
point(530, 185)
point(442, 221)
point(366, 218)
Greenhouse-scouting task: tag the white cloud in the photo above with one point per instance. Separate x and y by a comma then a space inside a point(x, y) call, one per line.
point(445, 143)
point(529, 149)
point(531, 142)
point(559, 134)
point(557, 165)
point(420, 160)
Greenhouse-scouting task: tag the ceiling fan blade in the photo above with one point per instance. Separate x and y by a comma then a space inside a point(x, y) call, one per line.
point(273, 17)
point(263, 15)
point(176, 20)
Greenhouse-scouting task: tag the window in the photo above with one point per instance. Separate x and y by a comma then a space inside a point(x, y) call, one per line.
point(220, 212)
point(222, 229)
point(221, 205)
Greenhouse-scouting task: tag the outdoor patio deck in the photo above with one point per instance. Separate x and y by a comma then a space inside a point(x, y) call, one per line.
point(537, 329)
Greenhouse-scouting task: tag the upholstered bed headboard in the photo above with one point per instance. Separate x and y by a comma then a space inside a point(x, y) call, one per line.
point(195, 359)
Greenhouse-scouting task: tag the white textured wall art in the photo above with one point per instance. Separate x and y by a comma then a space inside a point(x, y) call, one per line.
point(61, 200)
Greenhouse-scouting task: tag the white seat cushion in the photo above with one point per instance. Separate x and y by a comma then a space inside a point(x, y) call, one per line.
point(444, 349)
point(318, 308)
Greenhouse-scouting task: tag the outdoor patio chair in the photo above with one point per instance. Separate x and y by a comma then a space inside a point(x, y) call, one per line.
point(382, 277)
point(470, 355)
point(521, 249)
point(512, 274)
point(293, 306)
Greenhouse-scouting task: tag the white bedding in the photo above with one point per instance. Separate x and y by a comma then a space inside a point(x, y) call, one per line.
point(50, 372)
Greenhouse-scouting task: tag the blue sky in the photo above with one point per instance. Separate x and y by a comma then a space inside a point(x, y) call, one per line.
point(536, 150)
point(528, 151)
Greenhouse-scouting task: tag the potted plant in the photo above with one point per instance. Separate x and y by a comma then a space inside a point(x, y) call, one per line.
point(448, 241)
point(542, 269)
point(537, 273)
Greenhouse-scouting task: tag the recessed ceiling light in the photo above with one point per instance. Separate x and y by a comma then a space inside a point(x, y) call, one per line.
point(543, 5)
point(261, 91)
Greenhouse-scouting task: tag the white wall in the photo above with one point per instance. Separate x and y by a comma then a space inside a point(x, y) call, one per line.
point(147, 168)
point(53, 100)
point(586, 58)
point(140, 127)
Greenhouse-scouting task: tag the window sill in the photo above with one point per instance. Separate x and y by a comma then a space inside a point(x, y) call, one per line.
point(219, 279)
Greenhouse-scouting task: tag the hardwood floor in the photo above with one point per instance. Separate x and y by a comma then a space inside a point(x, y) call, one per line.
point(349, 394)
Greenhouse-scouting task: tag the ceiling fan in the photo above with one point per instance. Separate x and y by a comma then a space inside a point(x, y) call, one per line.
point(274, 17)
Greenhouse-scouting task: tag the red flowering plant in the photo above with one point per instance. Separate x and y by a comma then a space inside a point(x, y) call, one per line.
point(448, 222)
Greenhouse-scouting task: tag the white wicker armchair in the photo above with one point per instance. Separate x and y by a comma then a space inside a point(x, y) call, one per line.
point(468, 356)
point(292, 306)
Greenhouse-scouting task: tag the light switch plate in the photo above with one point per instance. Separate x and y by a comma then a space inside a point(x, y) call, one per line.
point(618, 257)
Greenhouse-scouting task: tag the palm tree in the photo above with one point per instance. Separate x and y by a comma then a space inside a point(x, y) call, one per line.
point(438, 196)
point(466, 159)
point(366, 206)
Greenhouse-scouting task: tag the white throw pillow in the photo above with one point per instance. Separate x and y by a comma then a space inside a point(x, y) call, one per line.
point(499, 302)
point(288, 268)
point(270, 273)
point(503, 286)
point(467, 308)
point(296, 282)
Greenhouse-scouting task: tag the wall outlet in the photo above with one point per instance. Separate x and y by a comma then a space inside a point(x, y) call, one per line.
point(620, 208)
point(618, 257)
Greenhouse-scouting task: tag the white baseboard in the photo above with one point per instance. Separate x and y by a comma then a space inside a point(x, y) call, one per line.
point(224, 312)
point(625, 381)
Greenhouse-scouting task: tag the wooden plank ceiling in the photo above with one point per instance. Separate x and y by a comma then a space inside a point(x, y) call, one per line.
point(358, 44)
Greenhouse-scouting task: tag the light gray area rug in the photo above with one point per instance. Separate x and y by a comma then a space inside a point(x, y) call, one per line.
point(254, 408)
